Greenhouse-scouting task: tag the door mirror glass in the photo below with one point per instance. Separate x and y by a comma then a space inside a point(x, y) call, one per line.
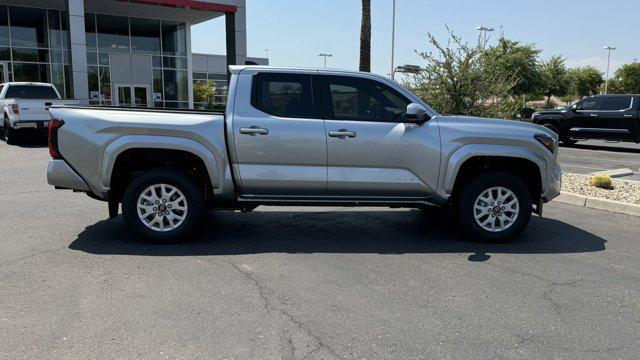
point(416, 113)
point(575, 107)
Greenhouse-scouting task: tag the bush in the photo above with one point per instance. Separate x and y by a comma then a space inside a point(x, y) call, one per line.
point(602, 181)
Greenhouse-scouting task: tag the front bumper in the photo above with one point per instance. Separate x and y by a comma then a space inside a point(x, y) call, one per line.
point(61, 175)
point(554, 184)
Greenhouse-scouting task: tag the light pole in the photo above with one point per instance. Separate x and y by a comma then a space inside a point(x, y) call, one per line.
point(484, 31)
point(266, 52)
point(406, 69)
point(325, 56)
point(606, 80)
point(393, 39)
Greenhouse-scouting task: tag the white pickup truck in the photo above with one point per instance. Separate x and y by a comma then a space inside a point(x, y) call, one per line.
point(25, 106)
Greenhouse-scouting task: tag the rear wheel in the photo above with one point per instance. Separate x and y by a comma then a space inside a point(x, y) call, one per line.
point(163, 205)
point(8, 134)
point(494, 207)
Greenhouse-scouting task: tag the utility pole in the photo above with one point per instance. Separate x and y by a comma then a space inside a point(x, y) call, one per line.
point(484, 30)
point(393, 39)
point(606, 81)
point(325, 56)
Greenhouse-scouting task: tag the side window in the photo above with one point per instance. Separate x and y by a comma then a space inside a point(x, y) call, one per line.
point(592, 103)
point(283, 95)
point(616, 103)
point(350, 98)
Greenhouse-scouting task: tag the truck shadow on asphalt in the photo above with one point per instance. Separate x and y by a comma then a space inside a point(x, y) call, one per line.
point(382, 232)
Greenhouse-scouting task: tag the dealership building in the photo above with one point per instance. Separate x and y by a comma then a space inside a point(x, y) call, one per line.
point(120, 52)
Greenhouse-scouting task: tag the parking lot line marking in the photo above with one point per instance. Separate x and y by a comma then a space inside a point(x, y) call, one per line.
point(601, 159)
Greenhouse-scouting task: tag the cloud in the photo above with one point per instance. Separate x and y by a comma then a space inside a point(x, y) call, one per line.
point(595, 61)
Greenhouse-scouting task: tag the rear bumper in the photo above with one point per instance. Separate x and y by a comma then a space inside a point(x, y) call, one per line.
point(61, 175)
point(30, 124)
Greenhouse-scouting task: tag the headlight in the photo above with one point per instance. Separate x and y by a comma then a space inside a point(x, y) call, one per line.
point(548, 142)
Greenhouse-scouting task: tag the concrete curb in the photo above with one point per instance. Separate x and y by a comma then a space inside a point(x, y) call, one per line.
point(597, 203)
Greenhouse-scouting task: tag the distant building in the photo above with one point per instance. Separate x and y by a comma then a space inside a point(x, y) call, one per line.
point(118, 52)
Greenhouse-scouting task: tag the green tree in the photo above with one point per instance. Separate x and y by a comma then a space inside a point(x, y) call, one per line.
point(455, 81)
point(511, 59)
point(584, 81)
point(203, 91)
point(553, 78)
point(626, 80)
point(365, 37)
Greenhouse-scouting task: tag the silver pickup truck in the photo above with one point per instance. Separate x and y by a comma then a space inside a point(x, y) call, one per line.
point(304, 137)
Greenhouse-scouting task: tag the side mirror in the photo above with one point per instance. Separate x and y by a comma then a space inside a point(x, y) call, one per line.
point(416, 114)
point(574, 107)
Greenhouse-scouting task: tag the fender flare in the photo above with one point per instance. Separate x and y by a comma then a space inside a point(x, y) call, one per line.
point(128, 142)
point(466, 152)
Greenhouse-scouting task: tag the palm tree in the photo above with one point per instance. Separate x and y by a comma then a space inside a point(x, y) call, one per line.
point(365, 37)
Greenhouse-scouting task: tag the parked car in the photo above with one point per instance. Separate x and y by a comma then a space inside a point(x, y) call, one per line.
point(304, 137)
point(24, 106)
point(607, 117)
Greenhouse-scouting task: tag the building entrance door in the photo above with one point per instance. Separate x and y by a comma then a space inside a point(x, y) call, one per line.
point(132, 95)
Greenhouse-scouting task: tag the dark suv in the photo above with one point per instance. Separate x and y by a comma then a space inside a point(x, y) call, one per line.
point(607, 117)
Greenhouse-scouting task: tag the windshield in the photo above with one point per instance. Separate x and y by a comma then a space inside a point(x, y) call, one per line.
point(30, 92)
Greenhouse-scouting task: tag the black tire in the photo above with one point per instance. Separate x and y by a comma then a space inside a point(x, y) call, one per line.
point(181, 181)
point(8, 134)
point(565, 140)
point(474, 188)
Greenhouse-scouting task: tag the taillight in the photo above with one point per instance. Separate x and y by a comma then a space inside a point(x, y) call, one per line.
point(15, 108)
point(54, 125)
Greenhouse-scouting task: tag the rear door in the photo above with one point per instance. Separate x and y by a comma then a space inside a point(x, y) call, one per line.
point(279, 136)
point(618, 117)
point(371, 152)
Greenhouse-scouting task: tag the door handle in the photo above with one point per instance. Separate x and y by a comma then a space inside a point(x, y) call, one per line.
point(254, 130)
point(342, 133)
point(628, 115)
point(593, 115)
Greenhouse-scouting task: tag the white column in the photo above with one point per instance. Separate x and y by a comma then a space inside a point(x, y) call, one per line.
point(77, 41)
point(189, 65)
point(241, 32)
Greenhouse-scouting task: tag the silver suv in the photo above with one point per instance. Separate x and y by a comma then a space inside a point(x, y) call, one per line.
point(304, 136)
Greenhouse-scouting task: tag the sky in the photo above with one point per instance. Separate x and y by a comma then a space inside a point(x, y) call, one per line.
point(296, 31)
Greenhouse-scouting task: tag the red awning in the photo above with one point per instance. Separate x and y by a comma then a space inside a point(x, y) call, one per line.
point(189, 4)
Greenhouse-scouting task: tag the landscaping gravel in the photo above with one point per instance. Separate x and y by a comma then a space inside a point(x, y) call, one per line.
point(623, 190)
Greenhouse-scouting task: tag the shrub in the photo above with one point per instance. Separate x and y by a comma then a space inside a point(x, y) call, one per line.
point(602, 181)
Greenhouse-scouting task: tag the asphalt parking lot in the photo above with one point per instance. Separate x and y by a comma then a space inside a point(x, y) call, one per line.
point(294, 283)
point(590, 156)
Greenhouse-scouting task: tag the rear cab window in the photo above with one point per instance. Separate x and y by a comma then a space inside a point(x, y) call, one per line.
point(618, 103)
point(284, 95)
point(30, 92)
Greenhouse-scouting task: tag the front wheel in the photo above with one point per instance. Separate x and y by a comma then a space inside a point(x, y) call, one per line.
point(494, 207)
point(163, 205)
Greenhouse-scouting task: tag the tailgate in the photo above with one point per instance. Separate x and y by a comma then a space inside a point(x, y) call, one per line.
point(33, 109)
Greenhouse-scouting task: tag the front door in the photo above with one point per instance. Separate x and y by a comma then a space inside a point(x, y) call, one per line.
point(132, 95)
point(371, 152)
point(586, 121)
point(4, 73)
point(278, 136)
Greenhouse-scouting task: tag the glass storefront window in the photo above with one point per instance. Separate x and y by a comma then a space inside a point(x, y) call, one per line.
point(5, 53)
point(90, 32)
point(28, 27)
point(174, 39)
point(105, 84)
point(174, 62)
point(30, 55)
point(55, 32)
point(31, 72)
point(176, 85)
point(94, 93)
point(157, 85)
point(57, 78)
point(113, 33)
point(145, 36)
point(60, 56)
point(4, 26)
